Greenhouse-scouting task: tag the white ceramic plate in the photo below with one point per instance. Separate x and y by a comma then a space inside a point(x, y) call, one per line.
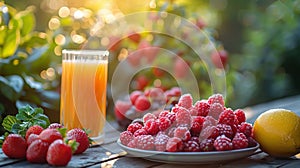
point(189, 157)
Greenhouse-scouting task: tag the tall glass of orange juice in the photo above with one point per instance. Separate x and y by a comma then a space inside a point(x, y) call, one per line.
point(83, 91)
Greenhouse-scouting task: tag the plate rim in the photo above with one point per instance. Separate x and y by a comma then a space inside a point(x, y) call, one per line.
point(187, 153)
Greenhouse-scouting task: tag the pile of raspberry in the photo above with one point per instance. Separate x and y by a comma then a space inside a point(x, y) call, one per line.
point(206, 125)
point(138, 103)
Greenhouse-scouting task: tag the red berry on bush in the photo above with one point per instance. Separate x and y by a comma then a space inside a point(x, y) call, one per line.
point(142, 103)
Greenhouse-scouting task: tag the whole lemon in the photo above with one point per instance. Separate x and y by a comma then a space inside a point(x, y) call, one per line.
point(278, 132)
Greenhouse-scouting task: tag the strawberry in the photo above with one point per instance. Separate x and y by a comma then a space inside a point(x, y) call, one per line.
point(59, 153)
point(31, 138)
point(14, 146)
point(37, 151)
point(50, 135)
point(81, 137)
point(36, 129)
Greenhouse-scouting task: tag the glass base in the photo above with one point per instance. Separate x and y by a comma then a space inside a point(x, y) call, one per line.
point(98, 140)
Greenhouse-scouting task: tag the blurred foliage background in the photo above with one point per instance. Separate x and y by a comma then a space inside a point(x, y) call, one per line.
point(261, 40)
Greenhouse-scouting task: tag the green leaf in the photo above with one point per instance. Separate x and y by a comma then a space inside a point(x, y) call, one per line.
point(11, 87)
point(8, 122)
point(11, 43)
point(3, 30)
point(63, 132)
point(28, 21)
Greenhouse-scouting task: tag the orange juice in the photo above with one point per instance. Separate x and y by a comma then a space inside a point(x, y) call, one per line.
point(83, 93)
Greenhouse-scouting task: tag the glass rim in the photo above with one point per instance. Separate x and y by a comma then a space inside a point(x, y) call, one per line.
point(88, 52)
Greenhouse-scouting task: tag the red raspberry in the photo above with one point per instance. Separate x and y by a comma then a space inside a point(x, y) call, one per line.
point(120, 109)
point(222, 143)
point(145, 142)
point(152, 127)
point(251, 142)
point(126, 137)
point(227, 117)
point(240, 141)
point(240, 115)
point(215, 110)
point(148, 117)
point(134, 127)
point(164, 123)
point(131, 144)
point(207, 145)
point(183, 133)
point(196, 139)
point(191, 146)
point(139, 132)
point(185, 101)
point(160, 142)
point(174, 145)
point(202, 108)
point(197, 124)
point(134, 95)
point(142, 103)
point(216, 98)
point(246, 128)
point(226, 130)
point(183, 117)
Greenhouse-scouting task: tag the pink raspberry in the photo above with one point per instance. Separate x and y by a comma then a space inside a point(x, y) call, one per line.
point(193, 111)
point(227, 117)
point(134, 95)
point(197, 124)
point(240, 141)
point(163, 113)
point(125, 137)
point(175, 109)
point(152, 127)
point(183, 133)
point(216, 98)
point(174, 145)
point(55, 126)
point(209, 132)
point(186, 101)
point(183, 117)
point(215, 110)
point(209, 121)
point(160, 142)
point(222, 143)
point(132, 144)
point(164, 123)
point(142, 103)
point(240, 115)
point(139, 132)
point(170, 131)
point(226, 130)
point(134, 127)
point(246, 128)
point(207, 145)
point(171, 117)
point(148, 116)
point(202, 108)
point(191, 146)
point(145, 142)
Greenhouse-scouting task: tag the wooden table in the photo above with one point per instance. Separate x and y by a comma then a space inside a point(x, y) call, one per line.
point(109, 154)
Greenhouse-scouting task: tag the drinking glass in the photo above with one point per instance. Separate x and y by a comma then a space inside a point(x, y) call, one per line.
point(83, 91)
